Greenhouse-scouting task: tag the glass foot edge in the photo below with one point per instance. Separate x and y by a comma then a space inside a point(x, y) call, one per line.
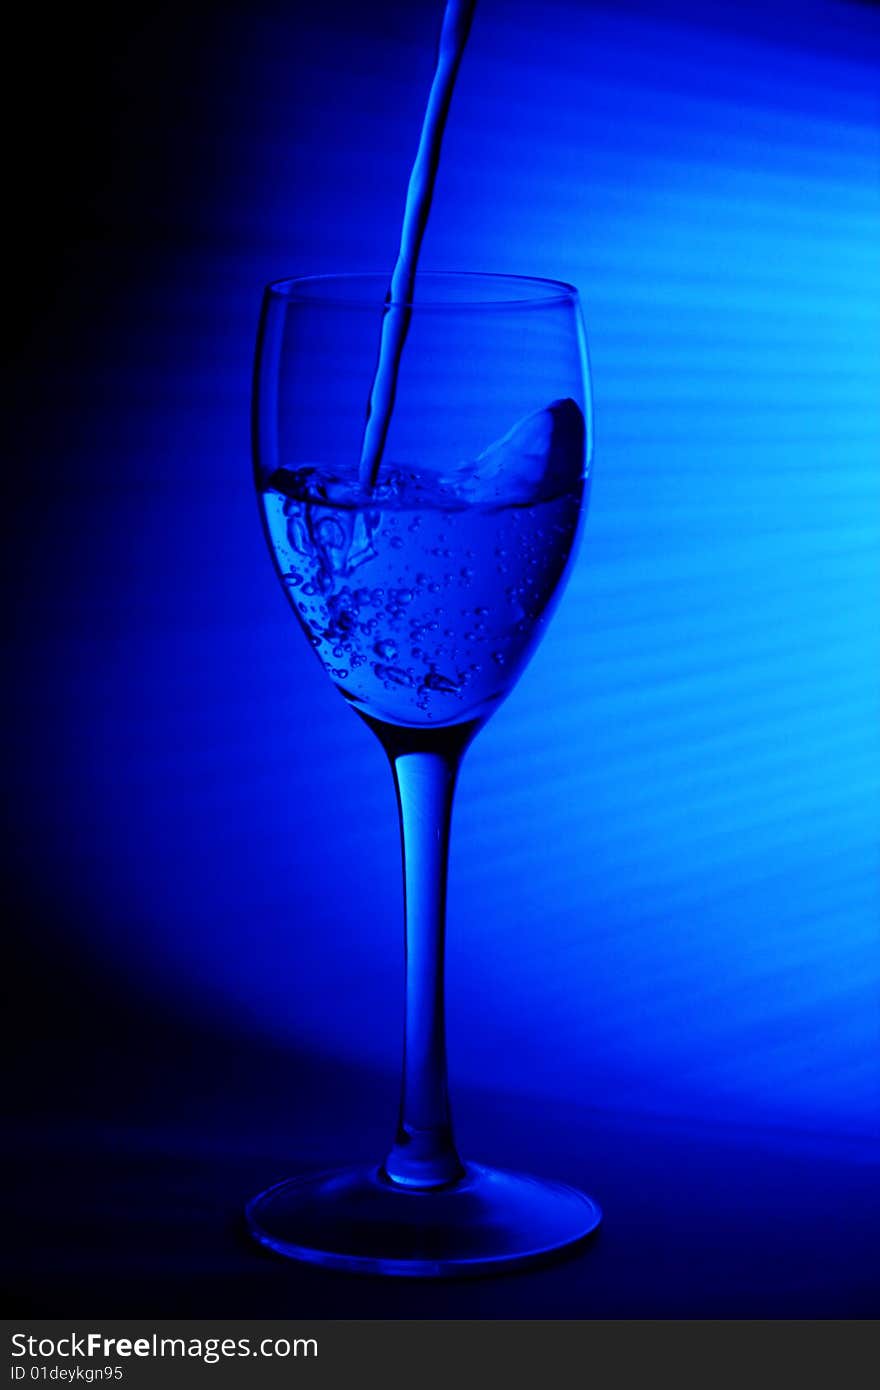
point(356, 1221)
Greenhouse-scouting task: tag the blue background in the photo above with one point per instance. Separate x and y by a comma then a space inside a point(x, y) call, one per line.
point(664, 893)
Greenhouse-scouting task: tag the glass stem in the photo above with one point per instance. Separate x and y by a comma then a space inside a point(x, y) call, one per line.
point(425, 766)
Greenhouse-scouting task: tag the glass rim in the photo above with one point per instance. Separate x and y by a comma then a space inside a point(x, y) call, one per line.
point(332, 290)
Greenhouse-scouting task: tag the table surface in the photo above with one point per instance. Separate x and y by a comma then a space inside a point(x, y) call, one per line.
point(130, 1164)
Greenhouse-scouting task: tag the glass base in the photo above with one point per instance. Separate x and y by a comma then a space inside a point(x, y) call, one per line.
point(358, 1220)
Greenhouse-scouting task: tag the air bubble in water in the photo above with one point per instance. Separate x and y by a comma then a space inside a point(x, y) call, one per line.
point(434, 681)
point(393, 675)
point(385, 648)
point(329, 532)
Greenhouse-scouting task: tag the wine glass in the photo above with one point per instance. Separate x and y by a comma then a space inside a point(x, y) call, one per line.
point(423, 591)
